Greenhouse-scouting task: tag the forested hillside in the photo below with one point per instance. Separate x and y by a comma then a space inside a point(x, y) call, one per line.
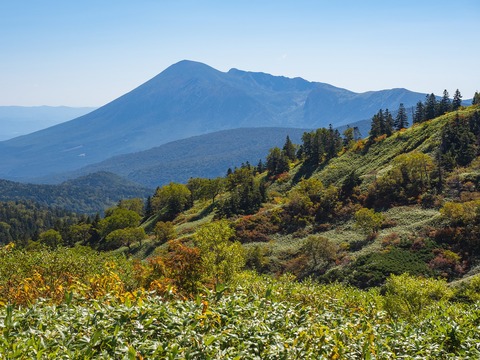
point(85, 195)
point(24, 220)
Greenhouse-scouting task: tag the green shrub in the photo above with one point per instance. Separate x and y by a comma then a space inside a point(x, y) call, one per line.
point(164, 231)
point(410, 296)
point(368, 221)
point(469, 290)
point(374, 268)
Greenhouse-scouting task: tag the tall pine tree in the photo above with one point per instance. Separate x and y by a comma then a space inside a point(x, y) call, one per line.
point(430, 106)
point(401, 120)
point(457, 100)
point(289, 149)
point(377, 126)
point(419, 114)
point(389, 122)
point(445, 104)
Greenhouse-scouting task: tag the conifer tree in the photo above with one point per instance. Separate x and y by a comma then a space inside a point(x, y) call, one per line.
point(306, 146)
point(277, 162)
point(289, 149)
point(381, 118)
point(318, 146)
point(458, 144)
point(445, 104)
point(260, 167)
point(401, 120)
point(377, 125)
point(457, 100)
point(419, 114)
point(334, 143)
point(389, 122)
point(430, 106)
point(476, 98)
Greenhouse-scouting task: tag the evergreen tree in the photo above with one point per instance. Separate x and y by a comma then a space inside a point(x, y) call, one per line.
point(419, 114)
point(300, 152)
point(246, 193)
point(334, 143)
point(289, 149)
point(389, 123)
point(260, 167)
point(306, 147)
point(430, 106)
point(381, 118)
point(457, 100)
point(377, 125)
point(458, 144)
point(318, 146)
point(401, 120)
point(445, 104)
point(277, 162)
point(476, 98)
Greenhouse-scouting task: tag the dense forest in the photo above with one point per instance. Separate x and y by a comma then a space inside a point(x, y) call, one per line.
point(338, 247)
point(87, 194)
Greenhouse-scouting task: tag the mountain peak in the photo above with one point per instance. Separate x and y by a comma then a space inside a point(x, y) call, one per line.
point(189, 67)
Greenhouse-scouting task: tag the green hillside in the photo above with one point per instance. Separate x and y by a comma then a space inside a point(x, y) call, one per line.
point(88, 194)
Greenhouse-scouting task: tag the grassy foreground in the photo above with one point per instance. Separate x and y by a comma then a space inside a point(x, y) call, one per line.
point(256, 318)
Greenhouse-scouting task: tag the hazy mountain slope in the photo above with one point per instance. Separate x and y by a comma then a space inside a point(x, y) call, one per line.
point(347, 107)
point(200, 156)
point(21, 120)
point(188, 99)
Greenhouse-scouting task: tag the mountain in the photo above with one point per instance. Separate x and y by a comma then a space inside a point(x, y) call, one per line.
point(87, 194)
point(188, 99)
point(207, 155)
point(21, 120)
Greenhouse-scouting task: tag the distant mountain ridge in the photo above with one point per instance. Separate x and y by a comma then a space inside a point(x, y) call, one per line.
point(207, 155)
point(188, 99)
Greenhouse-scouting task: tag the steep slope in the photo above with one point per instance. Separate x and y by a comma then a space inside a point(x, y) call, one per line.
point(200, 156)
point(187, 99)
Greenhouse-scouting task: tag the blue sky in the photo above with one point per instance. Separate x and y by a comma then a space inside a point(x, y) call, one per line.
point(87, 53)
